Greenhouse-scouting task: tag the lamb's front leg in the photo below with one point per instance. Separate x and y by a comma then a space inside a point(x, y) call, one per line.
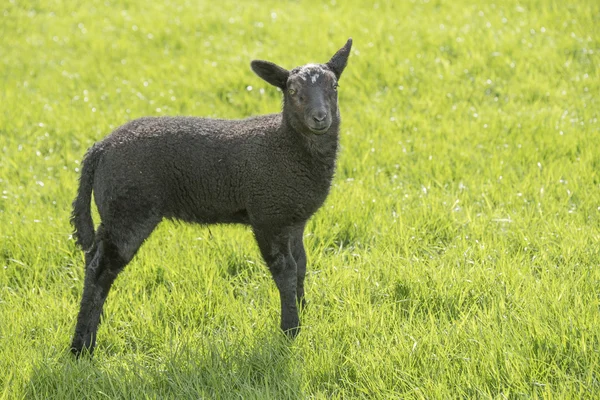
point(299, 254)
point(275, 246)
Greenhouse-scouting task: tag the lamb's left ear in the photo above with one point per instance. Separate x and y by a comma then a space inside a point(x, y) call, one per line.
point(271, 73)
point(340, 59)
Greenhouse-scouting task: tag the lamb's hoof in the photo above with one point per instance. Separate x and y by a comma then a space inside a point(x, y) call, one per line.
point(291, 333)
point(80, 346)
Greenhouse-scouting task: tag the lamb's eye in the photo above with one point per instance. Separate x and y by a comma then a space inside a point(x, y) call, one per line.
point(335, 86)
point(292, 91)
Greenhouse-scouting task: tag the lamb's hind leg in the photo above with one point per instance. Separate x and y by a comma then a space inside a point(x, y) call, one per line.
point(275, 247)
point(100, 273)
point(112, 254)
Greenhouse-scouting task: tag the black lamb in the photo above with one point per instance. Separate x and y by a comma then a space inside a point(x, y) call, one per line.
point(271, 172)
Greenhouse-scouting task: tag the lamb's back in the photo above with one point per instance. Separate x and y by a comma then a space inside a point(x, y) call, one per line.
point(189, 168)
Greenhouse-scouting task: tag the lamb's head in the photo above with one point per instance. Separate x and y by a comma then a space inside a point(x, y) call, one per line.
point(310, 91)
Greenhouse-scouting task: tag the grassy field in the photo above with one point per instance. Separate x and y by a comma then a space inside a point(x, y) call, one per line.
point(457, 256)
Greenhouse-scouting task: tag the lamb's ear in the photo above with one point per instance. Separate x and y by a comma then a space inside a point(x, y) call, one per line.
point(271, 73)
point(340, 59)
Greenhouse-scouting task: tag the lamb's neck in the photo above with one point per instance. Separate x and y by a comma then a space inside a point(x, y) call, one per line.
point(320, 147)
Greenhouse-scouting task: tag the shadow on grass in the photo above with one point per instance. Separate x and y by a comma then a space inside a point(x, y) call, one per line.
point(266, 368)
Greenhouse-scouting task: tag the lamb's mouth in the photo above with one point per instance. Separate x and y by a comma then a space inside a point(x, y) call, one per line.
point(319, 131)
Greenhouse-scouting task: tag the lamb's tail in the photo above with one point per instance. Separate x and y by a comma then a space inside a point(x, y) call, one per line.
point(81, 217)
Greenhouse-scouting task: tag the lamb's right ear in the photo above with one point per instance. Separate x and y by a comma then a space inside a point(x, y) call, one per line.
point(271, 73)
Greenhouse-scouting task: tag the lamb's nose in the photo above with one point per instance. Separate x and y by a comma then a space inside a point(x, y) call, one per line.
point(320, 116)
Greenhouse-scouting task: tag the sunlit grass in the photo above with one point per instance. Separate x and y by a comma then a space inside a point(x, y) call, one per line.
point(457, 255)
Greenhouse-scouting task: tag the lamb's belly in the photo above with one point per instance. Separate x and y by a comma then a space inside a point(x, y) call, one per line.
point(206, 203)
point(210, 216)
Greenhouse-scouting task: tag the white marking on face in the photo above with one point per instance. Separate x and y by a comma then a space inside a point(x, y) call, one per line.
point(312, 71)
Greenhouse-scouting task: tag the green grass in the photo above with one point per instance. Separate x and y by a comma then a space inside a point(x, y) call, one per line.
point(457, 255)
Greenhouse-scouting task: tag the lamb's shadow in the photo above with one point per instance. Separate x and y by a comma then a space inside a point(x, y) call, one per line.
point(265, 369)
